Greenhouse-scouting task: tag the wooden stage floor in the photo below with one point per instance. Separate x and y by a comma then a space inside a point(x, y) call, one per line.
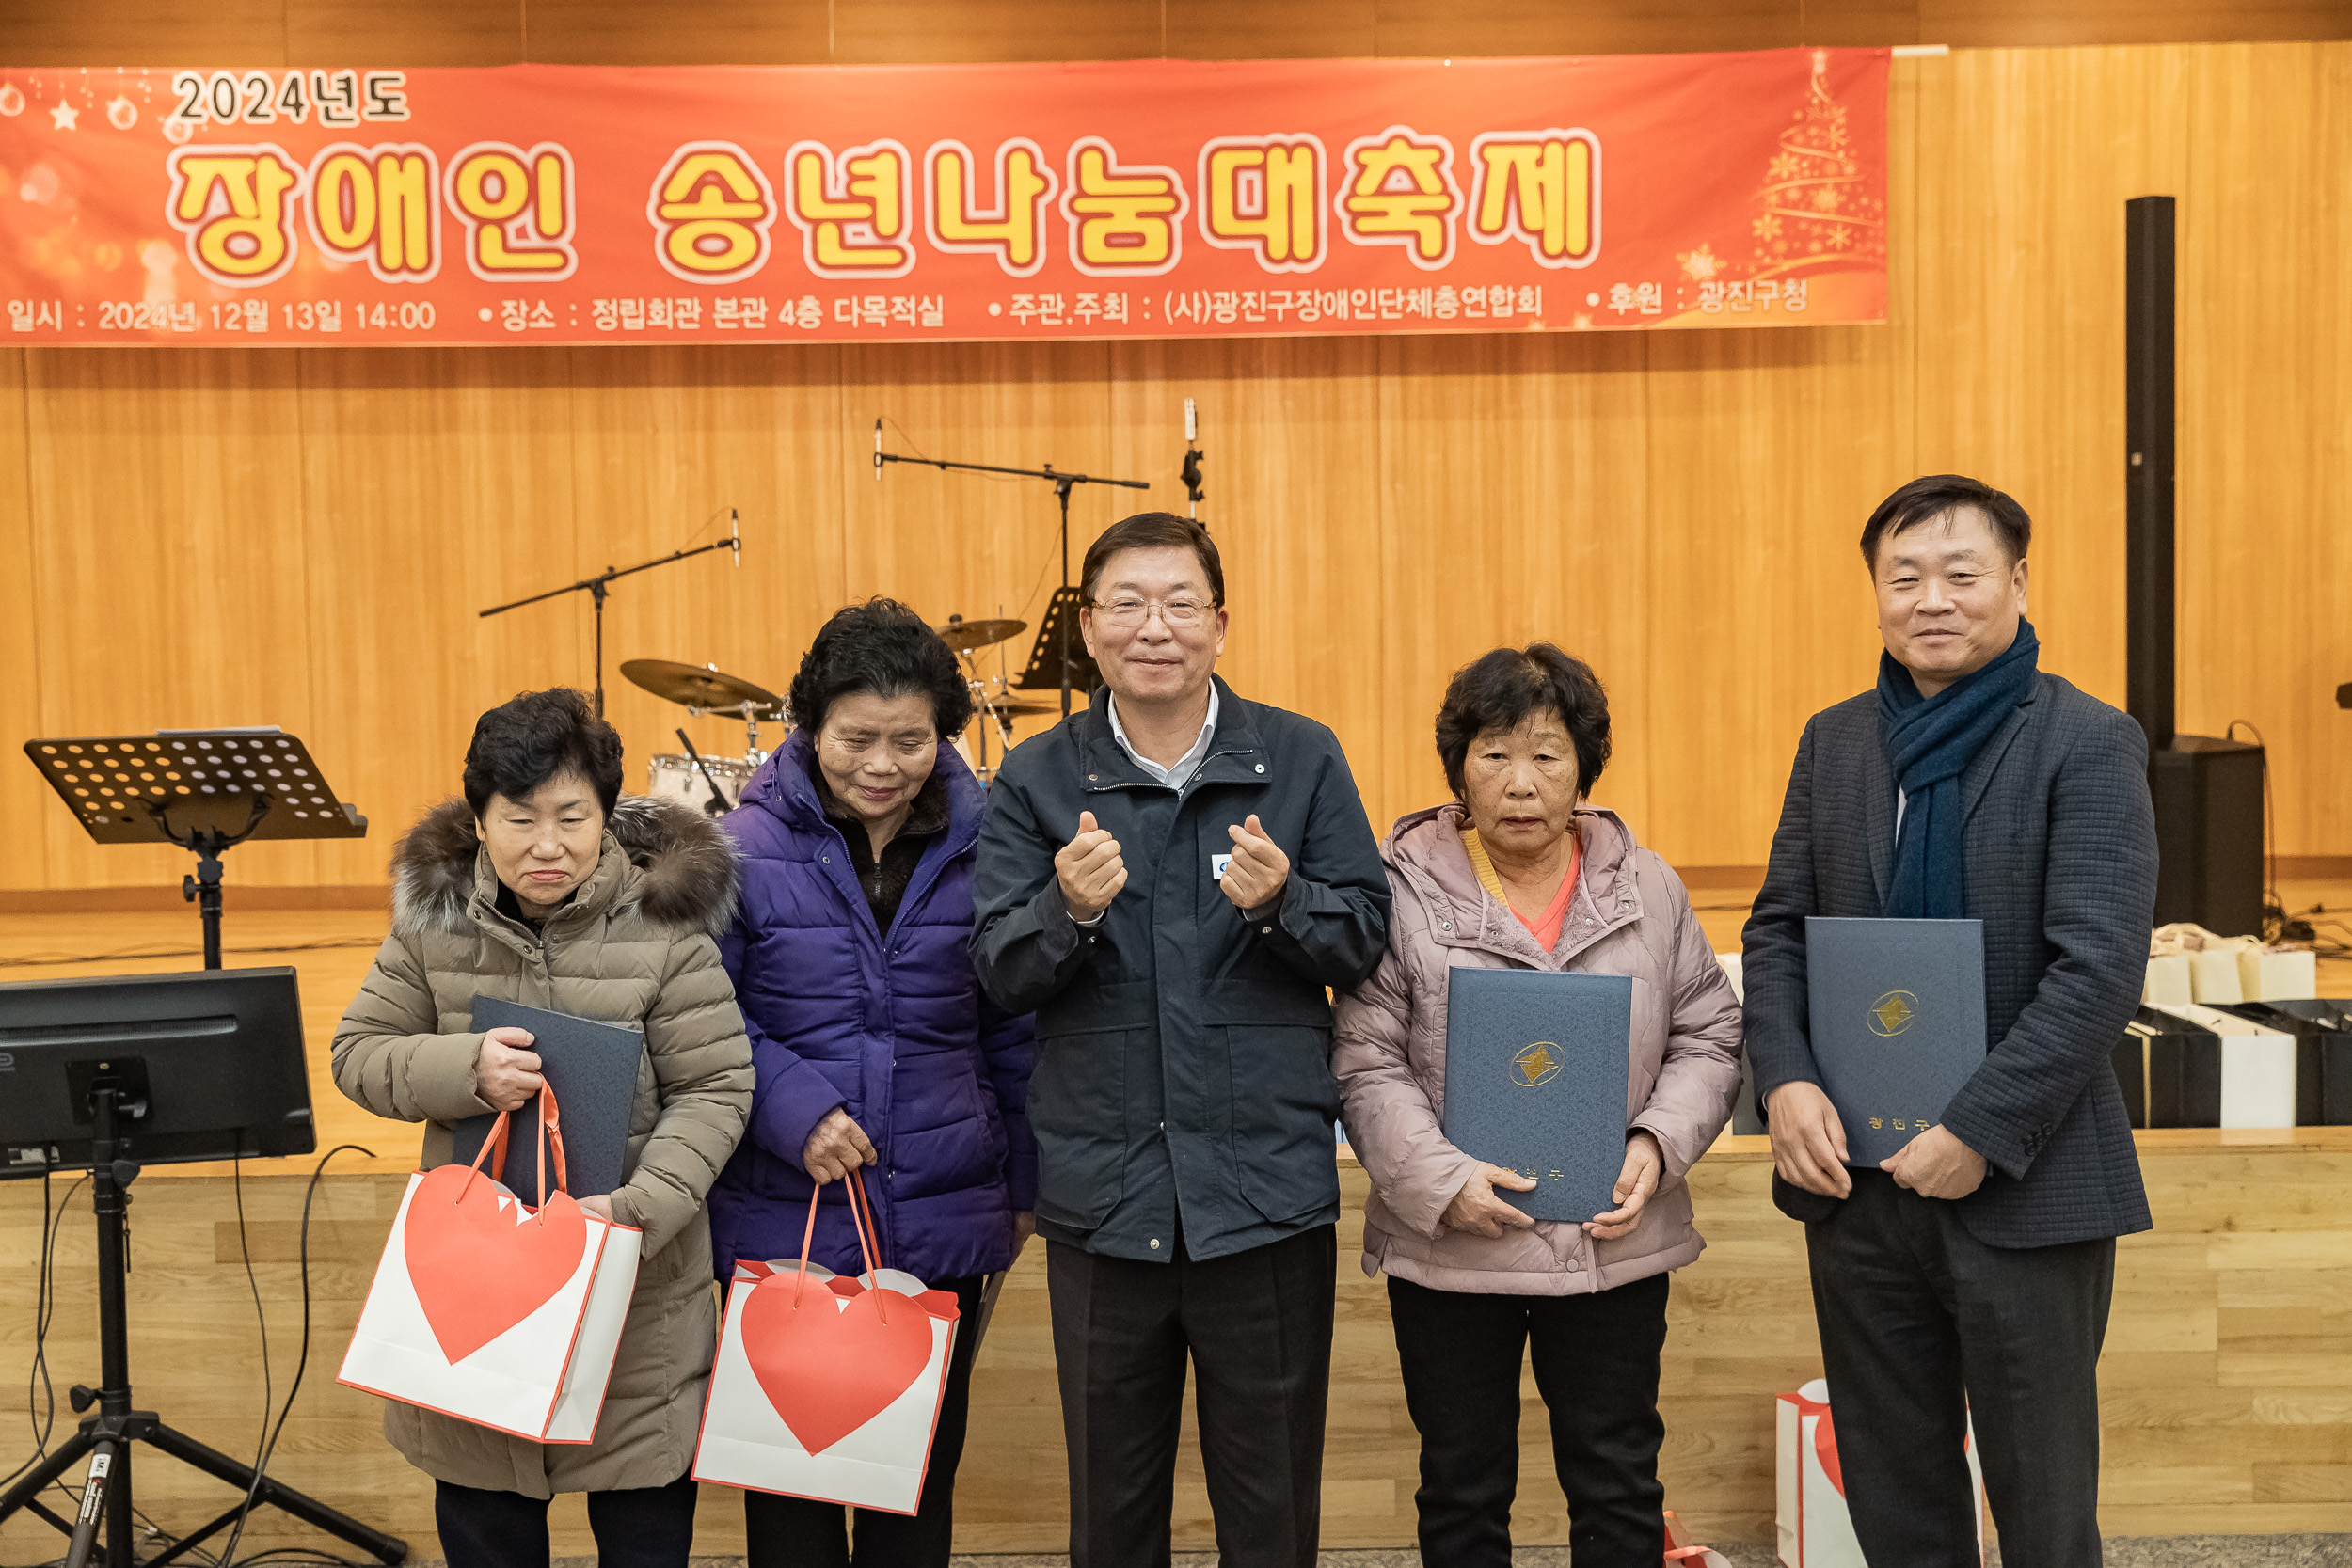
point(2227, 1380)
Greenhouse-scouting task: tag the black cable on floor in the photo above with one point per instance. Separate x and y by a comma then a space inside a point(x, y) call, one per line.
point(261, 1467)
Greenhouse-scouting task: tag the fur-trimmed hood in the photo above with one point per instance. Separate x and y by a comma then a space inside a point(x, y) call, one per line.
point(685, 867)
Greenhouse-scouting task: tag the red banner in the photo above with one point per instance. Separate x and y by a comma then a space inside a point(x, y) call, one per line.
point(832, 204)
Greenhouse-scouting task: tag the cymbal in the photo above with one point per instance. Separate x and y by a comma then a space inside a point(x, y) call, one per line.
point(963, 636)
point(697, 687)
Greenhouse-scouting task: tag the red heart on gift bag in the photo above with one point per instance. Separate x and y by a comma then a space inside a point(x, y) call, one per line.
point(1825, 1449)
point(480, 1262)
point(827, 1365)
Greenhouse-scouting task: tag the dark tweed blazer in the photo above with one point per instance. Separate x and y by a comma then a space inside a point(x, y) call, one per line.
point(2061, 855)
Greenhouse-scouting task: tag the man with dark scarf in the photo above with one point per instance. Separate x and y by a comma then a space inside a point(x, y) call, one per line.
point(1972, 1273)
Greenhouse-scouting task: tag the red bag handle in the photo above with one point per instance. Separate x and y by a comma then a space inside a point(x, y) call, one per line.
point(864, 1246)
point(862, 1205)
point(547, 1137)
point(869, 1238)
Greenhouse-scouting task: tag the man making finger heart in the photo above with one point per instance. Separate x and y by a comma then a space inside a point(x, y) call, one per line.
point(1170, 880)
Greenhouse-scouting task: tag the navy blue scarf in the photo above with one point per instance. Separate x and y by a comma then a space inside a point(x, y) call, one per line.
point(1930, 741)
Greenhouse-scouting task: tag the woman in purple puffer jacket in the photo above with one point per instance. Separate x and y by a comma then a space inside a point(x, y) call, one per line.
point(872, 1043)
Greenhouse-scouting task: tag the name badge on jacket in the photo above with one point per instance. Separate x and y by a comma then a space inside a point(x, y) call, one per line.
point(1216, 866)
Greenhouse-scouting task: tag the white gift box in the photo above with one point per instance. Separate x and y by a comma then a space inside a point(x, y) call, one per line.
point(2257, 1068)
point(1814, 1529)
point(2266, 976)
point(2213, 977)
point(2167, 983)
point(748, 1441)
point(542, 1375)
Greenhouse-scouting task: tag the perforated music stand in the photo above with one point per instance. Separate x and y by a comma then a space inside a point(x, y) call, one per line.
point(204, 790)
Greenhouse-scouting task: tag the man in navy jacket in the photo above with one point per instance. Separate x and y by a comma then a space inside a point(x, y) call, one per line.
point(1972, 1273)
point(1169, 879)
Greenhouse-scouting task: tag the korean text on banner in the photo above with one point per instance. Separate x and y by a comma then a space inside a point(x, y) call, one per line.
point(1149, 198)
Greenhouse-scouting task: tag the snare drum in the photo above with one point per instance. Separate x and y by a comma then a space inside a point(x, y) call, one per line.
point(676, 778)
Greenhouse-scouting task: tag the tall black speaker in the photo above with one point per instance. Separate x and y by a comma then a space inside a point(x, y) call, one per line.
point(2147, 424)
point(2208, 792)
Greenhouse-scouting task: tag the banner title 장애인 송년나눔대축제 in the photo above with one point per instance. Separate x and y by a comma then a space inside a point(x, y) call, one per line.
point(815, 203)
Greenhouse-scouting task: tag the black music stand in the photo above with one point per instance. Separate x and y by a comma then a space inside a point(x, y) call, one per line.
point(166, 1068)
point(1059, 658)
point(205, 790)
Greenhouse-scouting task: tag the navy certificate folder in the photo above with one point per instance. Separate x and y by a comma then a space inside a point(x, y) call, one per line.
point(593, 1068)
point(1536, 1082)
point(1897, 1018)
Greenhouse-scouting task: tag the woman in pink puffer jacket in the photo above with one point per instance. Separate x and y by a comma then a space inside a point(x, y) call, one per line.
point(1516, 873)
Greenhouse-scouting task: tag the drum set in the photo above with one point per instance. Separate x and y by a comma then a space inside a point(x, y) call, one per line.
point(715, 784)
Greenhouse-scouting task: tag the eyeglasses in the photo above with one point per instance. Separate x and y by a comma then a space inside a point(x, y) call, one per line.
point(1125, 614)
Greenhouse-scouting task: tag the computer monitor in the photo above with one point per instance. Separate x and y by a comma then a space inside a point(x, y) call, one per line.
point(208, 1065)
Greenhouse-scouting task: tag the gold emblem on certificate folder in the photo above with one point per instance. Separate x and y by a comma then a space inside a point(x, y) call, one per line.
point(1538, 1064)
point(1893, 1013)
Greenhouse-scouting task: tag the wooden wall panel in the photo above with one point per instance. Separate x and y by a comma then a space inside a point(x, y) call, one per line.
point(729, 32)
point(134, 32)
point(1297, 521)
point(435, 483)
point(1410, 27)
point(1247, 30)
point(1515, 497)
point(332, 33)
point(168, 567)
point(891, 32)
point(1983, 23)
point(2266, 554)
point(2026, 159)
point(1762, 468)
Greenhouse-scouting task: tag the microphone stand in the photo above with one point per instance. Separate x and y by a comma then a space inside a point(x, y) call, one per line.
point(1062, 484)
point(595, 587)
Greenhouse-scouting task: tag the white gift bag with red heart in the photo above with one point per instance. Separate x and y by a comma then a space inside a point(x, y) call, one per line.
point(828, 1387)
point(1816, 1531)
point(493, 1310)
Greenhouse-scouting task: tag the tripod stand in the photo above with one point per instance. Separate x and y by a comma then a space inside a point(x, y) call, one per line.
point(106, 1437)
point(1063, 613)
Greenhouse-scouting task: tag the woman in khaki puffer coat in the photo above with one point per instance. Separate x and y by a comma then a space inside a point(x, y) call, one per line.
point(546, 887)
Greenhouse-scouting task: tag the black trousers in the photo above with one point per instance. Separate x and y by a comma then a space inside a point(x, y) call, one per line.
point(1256, 1327)
point(1922, 1323)
point(1597, 1368)
point(797, 1533)
point(645, 1527)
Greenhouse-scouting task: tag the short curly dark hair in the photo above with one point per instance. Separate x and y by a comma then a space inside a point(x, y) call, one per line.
point(882, 648)
point(1499, 690)
point(525, 741)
